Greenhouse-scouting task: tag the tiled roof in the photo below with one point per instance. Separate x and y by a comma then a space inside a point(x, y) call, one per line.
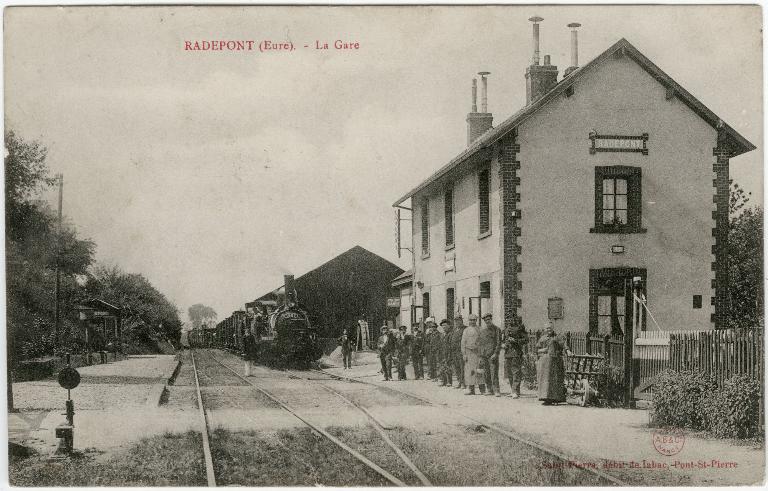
point(738, 143)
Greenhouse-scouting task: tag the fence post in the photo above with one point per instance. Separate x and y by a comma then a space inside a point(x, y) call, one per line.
point(568, 340)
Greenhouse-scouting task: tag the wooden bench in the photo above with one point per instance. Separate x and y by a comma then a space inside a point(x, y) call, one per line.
point(582, 378)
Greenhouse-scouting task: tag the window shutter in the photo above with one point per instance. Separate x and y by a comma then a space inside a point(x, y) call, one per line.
point(484, 201)
point(425, 227)
point(635, 199)
point(449, 217)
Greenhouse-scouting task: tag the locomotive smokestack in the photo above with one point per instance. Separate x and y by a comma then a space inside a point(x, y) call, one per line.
point(290, 288)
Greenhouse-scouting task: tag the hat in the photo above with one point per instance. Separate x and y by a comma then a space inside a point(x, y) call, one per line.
point(458, 316)
point(444, 321)
point(430, 319)
point(486, 315)
point(472, 317)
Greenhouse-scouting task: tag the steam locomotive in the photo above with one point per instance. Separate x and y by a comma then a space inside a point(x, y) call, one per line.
point(283, 332)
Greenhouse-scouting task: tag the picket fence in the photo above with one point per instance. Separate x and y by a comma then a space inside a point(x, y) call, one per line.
point(719, 353)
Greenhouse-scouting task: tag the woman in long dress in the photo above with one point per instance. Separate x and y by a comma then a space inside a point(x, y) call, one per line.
point(550, 370)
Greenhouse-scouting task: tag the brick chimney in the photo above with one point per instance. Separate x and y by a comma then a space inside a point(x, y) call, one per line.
point(539, 79)
point(479, 122)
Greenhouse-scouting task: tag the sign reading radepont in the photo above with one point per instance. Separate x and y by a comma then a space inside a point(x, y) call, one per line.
point(393, 302)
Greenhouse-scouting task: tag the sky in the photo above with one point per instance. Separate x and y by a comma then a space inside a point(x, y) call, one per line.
point(215, 173)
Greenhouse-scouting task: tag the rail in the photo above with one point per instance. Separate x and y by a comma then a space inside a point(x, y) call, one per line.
point(490, 426)
point(210, 475)
point(373, 466)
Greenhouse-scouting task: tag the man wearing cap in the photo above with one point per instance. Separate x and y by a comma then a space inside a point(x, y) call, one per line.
point(471, 355)
point(515, 341)
point(346, 342)
point(417, 351)
point(456, 356)
point(446, 360)
point(385, 346)
point(431, 347)
point(401, 347)
point(490, 342)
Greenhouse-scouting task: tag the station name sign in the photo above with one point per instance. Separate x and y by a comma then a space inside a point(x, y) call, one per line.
point(618, 143)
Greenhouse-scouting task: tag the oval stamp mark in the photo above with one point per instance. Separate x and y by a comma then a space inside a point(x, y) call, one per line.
point(668, 441)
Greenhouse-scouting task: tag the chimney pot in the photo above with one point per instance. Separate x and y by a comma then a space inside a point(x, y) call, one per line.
point(535, 19)
point(546, 59)
point(484, 91)
point(574, 48)
point(479, 122)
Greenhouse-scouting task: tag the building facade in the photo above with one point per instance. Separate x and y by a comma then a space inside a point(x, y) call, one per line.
point(610, 182)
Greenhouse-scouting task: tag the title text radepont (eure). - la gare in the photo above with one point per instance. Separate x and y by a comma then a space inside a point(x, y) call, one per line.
point(265, 45)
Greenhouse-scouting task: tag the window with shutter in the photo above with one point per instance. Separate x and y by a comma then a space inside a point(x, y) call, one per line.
point(618, 200)
point(484, 199)
point(449, 304)
point(449, 217)
point(425, 228)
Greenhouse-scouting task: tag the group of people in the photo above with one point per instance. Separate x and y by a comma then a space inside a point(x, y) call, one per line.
point(467, 357)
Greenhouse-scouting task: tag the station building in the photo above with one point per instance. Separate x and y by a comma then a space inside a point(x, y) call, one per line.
point(611, 175)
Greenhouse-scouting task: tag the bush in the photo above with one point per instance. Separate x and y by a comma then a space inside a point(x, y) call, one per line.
point(734, 410)
point(678, 398)
point(611, 386)
point(693, 400)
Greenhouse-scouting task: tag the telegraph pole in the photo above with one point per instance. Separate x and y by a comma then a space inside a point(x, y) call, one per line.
point(57, 320)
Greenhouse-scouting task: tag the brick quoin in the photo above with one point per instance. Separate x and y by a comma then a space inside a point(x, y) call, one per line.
point(511, 230)
point(720, 231)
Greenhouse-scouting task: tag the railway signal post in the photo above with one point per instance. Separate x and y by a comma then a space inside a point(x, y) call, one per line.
point(69, 378)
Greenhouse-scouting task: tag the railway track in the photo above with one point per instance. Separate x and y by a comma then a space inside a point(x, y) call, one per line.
point(375, 423)
point(490, 426)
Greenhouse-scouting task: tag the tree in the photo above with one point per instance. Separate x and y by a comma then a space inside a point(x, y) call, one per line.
point(149, 315)
point(745, 261)
point(31, 253)
point(201, 314)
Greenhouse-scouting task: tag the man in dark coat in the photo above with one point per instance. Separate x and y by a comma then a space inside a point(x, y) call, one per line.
point(417, 351)
point(456, 356)
point(515, 341)
point(446, 358)
point(432, 337)
point(346, 342)
point(402, 344)
point(249, 347)
point(490, 346)
point(385, 345)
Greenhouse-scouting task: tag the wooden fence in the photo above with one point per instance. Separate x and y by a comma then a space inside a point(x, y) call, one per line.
point(721, 353)
point(582, 343)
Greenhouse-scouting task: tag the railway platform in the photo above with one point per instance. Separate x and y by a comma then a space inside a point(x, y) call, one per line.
point(624, 434)
point(114, 403)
